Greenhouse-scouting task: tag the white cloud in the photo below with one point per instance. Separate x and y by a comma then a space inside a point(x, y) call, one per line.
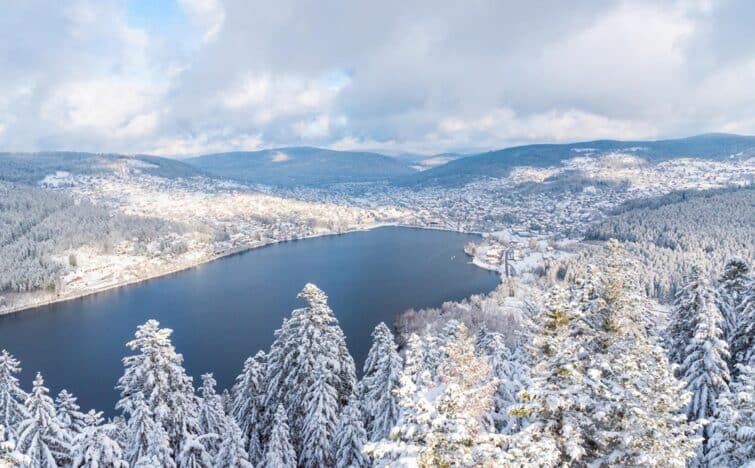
point(429, 76)
point(110, 107)
point(208, 15)
point(204, 143)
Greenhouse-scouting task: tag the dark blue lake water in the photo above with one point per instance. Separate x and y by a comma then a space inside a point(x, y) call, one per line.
point(224, 311)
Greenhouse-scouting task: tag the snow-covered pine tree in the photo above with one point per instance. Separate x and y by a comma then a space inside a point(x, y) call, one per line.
point(443, 422)
point(628, 376)
point(412, 430)
point(693, 300)
point(413, 357)
point(382, 370)
point(705, 371)
point(158, 451)
point(482, 339)
point(9, 456)
point(67, 411)
point(321, 418)
point(232, 452)
point(458, 436)
point(40, 436)
point(225, 397)
point(118, 430)
point(732, 285)
point(311, 332)
point(279, 452)
point(604, 393)
point(556, 433)
point(410, 433)
point(94, 448)
point(433, 355)
point(156, 372)
point(449, 332)
point(212, 418)
point(193, 453)
point(247, 395)
point(93, 418)
point(743, 340)
point(732, 431)
point(12, 397)
point(146, 439)
point(350, 437)
point(511, 375)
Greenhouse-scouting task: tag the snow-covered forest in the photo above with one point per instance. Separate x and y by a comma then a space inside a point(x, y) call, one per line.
point(673, 233)
point(37, 225)
point(587, 377)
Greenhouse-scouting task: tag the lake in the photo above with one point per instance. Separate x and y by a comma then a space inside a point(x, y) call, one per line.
point(226, 310)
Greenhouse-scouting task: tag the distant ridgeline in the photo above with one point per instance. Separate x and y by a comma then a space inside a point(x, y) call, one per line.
point(314, 166)
point(302, 166)
point(499, 163)
point(306, 166)
point(32, 168)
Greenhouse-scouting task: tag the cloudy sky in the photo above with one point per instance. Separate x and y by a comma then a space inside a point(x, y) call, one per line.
point(181, 77)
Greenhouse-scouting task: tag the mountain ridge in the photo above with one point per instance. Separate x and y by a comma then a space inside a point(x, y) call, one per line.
point(303, 165)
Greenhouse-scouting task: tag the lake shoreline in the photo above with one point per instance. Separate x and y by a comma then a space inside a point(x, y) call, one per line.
point(220, 255)
point(228, 310)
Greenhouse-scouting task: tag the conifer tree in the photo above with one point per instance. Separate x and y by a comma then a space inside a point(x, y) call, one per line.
point(225, 397)
point(212, 418)
point(743, 338)
point(512, 376)
point(94, 448)
point(146, 439)
point(350, 438)
point(732, 431)
point(246, 407)
point(433, 355)
point(449, 333)
point(118, 430)
point(232, 453)
point(279, 452)
point(382, 370)
point(12, 397)
point(414, 357)
point(40, 436)
point(458, 434)
point(320, 420)
point(693, 300)
point(705, 371)
point(732, 285)
point(156, 372)
point(67, 412)
point(9, 456)
point(628, 376)
point(443, 423)
point(158, 452)
point(482, 339)
point(93, 418)
point(557, 429)
point(604, 393)
point(311, 333)
point(193, 453)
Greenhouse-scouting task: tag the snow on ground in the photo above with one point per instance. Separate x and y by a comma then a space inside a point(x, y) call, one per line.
point(57, 180)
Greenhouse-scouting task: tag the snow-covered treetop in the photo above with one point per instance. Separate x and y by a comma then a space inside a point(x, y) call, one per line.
point(313, 295)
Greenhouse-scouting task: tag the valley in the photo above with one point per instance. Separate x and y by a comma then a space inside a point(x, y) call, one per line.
point(208, 217)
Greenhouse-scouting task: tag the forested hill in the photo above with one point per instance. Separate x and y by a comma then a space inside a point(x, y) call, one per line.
point(34, 167)
point(302, 166)
point(499, 163)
